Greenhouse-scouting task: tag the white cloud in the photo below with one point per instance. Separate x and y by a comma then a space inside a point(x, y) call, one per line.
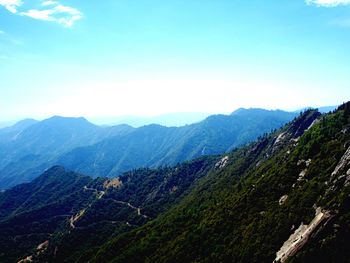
point(11, 5)
point(51, 11)
point(39, 14)
point(328, 3)
point(47, 3)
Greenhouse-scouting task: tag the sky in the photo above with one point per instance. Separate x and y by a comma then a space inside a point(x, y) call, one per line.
point(149, 57)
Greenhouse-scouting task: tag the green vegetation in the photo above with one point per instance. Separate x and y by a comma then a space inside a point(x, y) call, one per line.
point(42, 210)
point(234, 215)
point(29, 213)
point(241, 207)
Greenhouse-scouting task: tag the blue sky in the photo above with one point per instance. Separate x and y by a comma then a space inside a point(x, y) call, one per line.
point(136, 57)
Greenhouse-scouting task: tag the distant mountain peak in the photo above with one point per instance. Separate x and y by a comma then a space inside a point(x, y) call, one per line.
point(57, 117)
point(80, 146)
point(60, 120)
point(252, 110)
point(28, 121)
point(22, 125)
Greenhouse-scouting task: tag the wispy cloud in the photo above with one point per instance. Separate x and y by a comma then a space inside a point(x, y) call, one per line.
point(47, 3)
point(11, 5)
point(328, 3)
point(51, 11)
point(340, 22)
point(61, 14)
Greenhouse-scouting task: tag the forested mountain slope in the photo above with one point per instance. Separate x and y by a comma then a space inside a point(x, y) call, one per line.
point(61, 209)
point(285, 197)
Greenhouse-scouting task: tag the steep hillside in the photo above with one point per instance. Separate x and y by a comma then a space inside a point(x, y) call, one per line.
point(154, 145)
point(285, 197)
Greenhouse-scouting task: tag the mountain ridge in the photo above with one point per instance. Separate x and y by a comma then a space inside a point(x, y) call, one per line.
point(225, 208)
point(238, 215)
point(214, 135)
point(107, 151)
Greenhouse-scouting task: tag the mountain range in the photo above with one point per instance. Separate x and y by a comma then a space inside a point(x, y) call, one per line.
point(30, 147)
point(169, 120)
point(284, 197)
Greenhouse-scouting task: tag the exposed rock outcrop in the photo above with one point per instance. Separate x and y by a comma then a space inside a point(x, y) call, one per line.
point(283, 199)
point(222, 163)
point(300, 237)
point(343, 163)
point(113, 183)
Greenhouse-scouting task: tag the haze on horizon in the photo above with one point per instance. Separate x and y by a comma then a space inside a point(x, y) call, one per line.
point(146, 58)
